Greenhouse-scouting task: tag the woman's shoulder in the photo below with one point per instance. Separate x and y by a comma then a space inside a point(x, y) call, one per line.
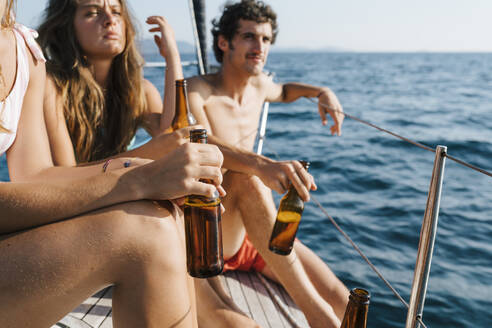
point(147, 85)
point(29, 35)
point(149, 89)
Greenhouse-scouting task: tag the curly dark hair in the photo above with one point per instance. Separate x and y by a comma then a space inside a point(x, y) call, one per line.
point(228, 23)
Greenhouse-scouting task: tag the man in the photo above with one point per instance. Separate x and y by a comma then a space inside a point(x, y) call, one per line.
point(228, 104)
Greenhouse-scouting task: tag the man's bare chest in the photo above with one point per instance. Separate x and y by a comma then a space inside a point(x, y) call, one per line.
point(232, 122)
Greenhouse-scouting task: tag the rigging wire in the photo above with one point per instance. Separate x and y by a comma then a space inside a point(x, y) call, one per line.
point(354, 245)
point(346, 236)
point(415, 143)
point(373, 267)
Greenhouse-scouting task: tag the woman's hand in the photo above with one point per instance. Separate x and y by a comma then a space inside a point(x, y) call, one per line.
point(166, 41)
point(178, 173)
point(167, 142)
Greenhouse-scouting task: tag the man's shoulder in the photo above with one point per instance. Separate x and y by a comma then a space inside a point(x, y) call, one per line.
point(261, 80)
point(202, 83)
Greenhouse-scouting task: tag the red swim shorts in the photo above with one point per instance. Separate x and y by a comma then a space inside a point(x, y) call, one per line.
point(247, 258)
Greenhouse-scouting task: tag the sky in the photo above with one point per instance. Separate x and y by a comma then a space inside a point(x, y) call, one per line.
point(354, 25)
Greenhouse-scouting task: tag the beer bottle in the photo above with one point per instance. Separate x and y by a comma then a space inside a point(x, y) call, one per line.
point(182, 115)
point(288, 218)
point(203, 228)
point(356, 311)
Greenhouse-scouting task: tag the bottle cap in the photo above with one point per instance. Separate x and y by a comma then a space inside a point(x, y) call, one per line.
point(197, 134)
point(181, 82)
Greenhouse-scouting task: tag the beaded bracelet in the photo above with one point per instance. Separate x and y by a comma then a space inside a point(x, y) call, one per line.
point(320, 93)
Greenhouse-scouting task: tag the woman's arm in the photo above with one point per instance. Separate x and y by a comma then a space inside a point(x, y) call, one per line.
point(169, 50)
point(59, 138)
point(30, 204)
point(40, 193)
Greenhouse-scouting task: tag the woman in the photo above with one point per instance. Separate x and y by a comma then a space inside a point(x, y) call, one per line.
point(96, 97)
point(55, 218)
point(95, 82)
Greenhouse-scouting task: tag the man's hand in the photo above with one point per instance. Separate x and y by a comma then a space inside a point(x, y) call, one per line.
point(166, 41)
point(328, 103)
point(279, 176)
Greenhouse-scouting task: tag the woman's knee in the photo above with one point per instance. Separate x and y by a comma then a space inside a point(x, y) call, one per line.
point(146, 233)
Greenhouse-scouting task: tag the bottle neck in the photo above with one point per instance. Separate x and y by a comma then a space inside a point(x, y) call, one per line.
point(181, 100)
point(357, 308)
point(182, 115)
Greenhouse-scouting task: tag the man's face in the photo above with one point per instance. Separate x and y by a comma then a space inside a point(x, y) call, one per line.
point(249, 47)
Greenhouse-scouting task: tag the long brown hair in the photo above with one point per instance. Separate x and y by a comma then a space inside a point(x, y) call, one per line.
point(7, 21)
point(100, 123)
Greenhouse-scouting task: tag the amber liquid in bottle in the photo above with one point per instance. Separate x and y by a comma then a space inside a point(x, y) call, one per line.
point(287, 222)
point(203, 229)
point(357, 308)
point(182, 115)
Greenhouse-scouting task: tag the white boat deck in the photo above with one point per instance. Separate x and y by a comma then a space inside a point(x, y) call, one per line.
point(255, 295)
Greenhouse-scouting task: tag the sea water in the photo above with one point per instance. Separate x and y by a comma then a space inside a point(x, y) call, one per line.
point(375, 186)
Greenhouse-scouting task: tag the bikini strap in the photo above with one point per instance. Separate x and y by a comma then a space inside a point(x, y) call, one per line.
point(29, 36)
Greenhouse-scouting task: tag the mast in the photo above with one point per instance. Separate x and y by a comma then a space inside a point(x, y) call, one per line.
point(197, 12)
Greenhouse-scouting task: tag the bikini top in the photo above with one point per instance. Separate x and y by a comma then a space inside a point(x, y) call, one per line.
point(10, 107)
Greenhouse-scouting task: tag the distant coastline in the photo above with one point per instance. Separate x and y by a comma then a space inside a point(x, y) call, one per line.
point(148, 49)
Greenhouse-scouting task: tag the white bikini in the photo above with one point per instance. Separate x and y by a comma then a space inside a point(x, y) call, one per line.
point(11, 106)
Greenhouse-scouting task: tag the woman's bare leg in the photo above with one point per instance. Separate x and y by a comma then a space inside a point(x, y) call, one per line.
point(48, 271)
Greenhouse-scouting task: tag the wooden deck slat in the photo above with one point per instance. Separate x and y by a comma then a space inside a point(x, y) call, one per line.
point(246, 289)
point(80, 311)
point(236, 292)
point(108, 322)
point(275, 289)
point(272, 313)
point(289, 303)
point(101, 309)
point(254, 303)
point(72, 322)
point(296, 312)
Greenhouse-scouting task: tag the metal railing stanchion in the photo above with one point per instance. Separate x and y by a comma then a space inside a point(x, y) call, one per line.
point(426, 242)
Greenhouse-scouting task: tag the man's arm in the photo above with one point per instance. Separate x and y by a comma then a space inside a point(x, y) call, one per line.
point(327, 100)
point(276, 175)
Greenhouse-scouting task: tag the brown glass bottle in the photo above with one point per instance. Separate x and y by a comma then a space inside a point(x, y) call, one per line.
point(357, 308)
point(203, 228)
point(182, 115)
point(288, 218)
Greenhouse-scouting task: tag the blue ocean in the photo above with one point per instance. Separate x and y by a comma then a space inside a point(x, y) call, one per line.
point(375, 186)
